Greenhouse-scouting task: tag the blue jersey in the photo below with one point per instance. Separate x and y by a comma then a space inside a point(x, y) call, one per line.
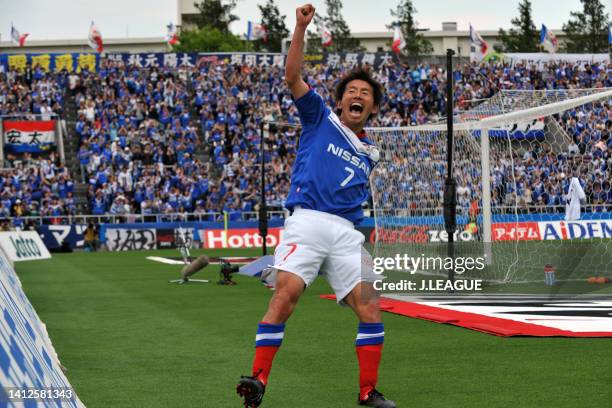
point(332, 166)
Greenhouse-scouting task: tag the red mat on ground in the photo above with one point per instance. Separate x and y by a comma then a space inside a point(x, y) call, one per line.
point(473, 321)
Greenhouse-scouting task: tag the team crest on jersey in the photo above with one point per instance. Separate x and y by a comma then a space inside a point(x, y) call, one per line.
point(373, 153)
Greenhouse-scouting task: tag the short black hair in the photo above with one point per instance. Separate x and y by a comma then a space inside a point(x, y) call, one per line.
point(363, 75)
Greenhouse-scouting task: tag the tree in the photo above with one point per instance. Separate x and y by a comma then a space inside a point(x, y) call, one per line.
point(209, 39)
point(274, 22)
point(342, 41)
point(314, 46)
point(214, 13)
point(586, 30)
point(523, 36)
point(416, 44)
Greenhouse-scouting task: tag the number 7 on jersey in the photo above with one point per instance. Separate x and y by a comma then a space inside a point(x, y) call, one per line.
point(349, 177)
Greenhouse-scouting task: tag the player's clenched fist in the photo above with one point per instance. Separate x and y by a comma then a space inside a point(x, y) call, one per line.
point(304, 15)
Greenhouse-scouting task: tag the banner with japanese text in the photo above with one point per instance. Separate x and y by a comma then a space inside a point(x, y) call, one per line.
point(351, 59)
point(56, 62)
point(52, 62)
point(181, 59)
point(541, 58)
point(22, 136)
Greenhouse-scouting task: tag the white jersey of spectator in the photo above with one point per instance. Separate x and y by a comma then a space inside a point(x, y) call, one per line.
point(73, 80)
point(96, 160)
point(47, 169)
point(90, 112)
point(118, 208)
point(125, 180)
point(45, 110)
point(573, 149)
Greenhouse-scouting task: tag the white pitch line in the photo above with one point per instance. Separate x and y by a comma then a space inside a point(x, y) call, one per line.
point(165, 260)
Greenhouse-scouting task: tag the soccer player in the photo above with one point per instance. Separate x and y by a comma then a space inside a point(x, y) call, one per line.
point(328, 185)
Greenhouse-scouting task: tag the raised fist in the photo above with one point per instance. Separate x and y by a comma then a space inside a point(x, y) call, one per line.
point(304, 15)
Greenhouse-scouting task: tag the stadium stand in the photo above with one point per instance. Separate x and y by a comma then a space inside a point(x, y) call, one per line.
point(167, 141)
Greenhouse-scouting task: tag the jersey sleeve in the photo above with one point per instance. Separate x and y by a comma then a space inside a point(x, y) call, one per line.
point(311, 108)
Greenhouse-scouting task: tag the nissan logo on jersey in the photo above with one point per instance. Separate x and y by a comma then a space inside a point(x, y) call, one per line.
point(348, 157)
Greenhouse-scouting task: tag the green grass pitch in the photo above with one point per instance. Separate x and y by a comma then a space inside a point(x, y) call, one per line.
point(131, 339)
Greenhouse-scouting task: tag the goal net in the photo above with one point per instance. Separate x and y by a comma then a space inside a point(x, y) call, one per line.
point(515, 156)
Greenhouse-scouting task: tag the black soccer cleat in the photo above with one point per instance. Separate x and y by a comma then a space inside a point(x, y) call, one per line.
point(252, 390)
point(377, 400)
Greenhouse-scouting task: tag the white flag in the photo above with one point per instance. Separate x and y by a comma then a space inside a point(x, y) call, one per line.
point(172, 35)
point(399, 43)
point(479, 48)
point(94, 39)
point(326, 38)
point(17, 37)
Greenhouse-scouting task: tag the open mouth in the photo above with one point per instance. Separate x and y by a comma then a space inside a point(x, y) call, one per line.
point(356, 107)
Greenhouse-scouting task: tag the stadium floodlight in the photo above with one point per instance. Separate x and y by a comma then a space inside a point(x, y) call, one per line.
point(499, 147)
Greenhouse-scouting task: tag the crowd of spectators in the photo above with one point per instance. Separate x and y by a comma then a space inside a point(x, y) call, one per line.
point(34, 184)
point(31, 187)
point(158, 140)
point(33, 91)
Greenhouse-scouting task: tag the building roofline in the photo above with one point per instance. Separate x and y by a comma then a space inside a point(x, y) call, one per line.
point(82, 41)
point(437, 33)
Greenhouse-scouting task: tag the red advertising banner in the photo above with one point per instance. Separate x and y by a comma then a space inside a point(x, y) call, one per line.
point(506, 231)
point(416, 234)
point(238, 238)
point(404, 235)
point(516, 231)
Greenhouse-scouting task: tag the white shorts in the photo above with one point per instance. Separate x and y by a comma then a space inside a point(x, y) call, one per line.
point(315, 241)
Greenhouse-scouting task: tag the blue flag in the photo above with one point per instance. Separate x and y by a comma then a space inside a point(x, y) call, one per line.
point(256, 32)
point(548, 40)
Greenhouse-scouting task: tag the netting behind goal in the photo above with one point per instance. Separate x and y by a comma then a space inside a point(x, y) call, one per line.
point(514, 158)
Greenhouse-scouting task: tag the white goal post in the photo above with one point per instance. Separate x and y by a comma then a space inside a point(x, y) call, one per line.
point(488, 142)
